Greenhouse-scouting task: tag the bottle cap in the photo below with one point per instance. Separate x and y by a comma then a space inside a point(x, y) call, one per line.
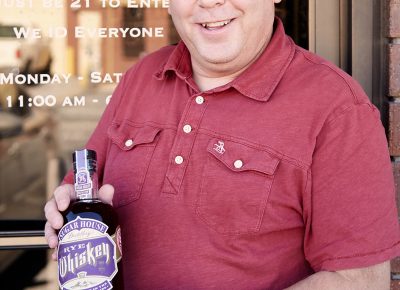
point(84, 153)
point(84, 159)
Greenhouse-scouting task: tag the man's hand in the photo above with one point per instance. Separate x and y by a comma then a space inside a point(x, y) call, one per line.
point(60, 202)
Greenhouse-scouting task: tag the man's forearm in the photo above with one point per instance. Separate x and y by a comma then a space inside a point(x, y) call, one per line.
point(376, 277)
point(325, 280)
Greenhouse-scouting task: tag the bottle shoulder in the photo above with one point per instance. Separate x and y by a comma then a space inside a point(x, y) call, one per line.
point(94, 209)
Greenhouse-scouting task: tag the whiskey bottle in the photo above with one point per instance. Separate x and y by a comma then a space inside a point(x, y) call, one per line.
point(89, 245)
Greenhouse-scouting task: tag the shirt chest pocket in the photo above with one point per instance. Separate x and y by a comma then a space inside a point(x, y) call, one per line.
point(236, 183)
point(128, 160)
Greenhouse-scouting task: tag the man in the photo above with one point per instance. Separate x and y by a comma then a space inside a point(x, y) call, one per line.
point(241, 161)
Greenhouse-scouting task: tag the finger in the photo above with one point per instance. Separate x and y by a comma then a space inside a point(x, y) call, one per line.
point(50, 235)
point(106, 193)
point(63, 195)
point(52, 214)
point(54, 255)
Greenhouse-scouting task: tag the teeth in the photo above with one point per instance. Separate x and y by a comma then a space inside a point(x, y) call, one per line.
point(215, 24)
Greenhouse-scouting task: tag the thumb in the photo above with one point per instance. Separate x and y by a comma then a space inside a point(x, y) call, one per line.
point(106, 193)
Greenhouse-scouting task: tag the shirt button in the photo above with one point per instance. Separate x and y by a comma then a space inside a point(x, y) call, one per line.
point(178, 160)
point(199, 100)
point(129, 143)
point(187, 129)
point(238, 164)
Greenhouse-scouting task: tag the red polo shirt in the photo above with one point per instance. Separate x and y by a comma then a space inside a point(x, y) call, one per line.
point(252, 185)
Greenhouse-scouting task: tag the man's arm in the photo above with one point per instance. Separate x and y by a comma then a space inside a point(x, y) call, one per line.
point(375, 277)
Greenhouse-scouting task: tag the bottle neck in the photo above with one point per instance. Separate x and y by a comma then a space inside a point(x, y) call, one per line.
point(85, 174)
point(86, 185)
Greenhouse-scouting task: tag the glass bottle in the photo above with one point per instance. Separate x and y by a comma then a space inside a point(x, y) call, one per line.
point(89, 242)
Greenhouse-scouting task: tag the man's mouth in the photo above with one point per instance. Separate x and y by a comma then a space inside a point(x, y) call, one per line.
point(216, 25)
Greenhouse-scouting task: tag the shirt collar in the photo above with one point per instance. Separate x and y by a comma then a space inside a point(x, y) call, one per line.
point(179, 62)
point(258, 81)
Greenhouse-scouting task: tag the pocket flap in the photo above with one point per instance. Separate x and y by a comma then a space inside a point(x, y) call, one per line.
point(127, 136)
point(239, 157)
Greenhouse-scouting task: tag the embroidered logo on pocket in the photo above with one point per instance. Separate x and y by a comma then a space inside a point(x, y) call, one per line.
point(219, 147)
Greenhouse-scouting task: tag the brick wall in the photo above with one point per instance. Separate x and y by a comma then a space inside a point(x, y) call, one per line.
point(393, 35)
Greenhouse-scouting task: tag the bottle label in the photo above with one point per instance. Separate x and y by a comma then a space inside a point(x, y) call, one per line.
point(83, 184)
point(86, 256)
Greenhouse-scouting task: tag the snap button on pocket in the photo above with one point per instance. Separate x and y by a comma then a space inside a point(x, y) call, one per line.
point(238, 164)
point(129, 143)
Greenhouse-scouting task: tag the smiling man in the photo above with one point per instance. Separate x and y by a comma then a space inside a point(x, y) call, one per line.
point(241, 161)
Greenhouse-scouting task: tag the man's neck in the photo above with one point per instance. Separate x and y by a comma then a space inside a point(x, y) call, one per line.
point(205, 82)
point(221, 74)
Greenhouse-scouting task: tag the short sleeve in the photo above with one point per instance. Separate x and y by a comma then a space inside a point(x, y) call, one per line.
point(352, 215)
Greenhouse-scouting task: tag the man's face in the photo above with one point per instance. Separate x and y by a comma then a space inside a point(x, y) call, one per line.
point(222, 35)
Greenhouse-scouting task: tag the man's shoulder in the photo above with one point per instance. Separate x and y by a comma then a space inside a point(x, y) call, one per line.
point(328, 81)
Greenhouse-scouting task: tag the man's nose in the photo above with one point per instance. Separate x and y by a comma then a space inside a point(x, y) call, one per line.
point(210, 3)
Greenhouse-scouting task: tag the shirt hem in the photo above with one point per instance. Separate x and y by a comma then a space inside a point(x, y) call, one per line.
point(359, 261)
